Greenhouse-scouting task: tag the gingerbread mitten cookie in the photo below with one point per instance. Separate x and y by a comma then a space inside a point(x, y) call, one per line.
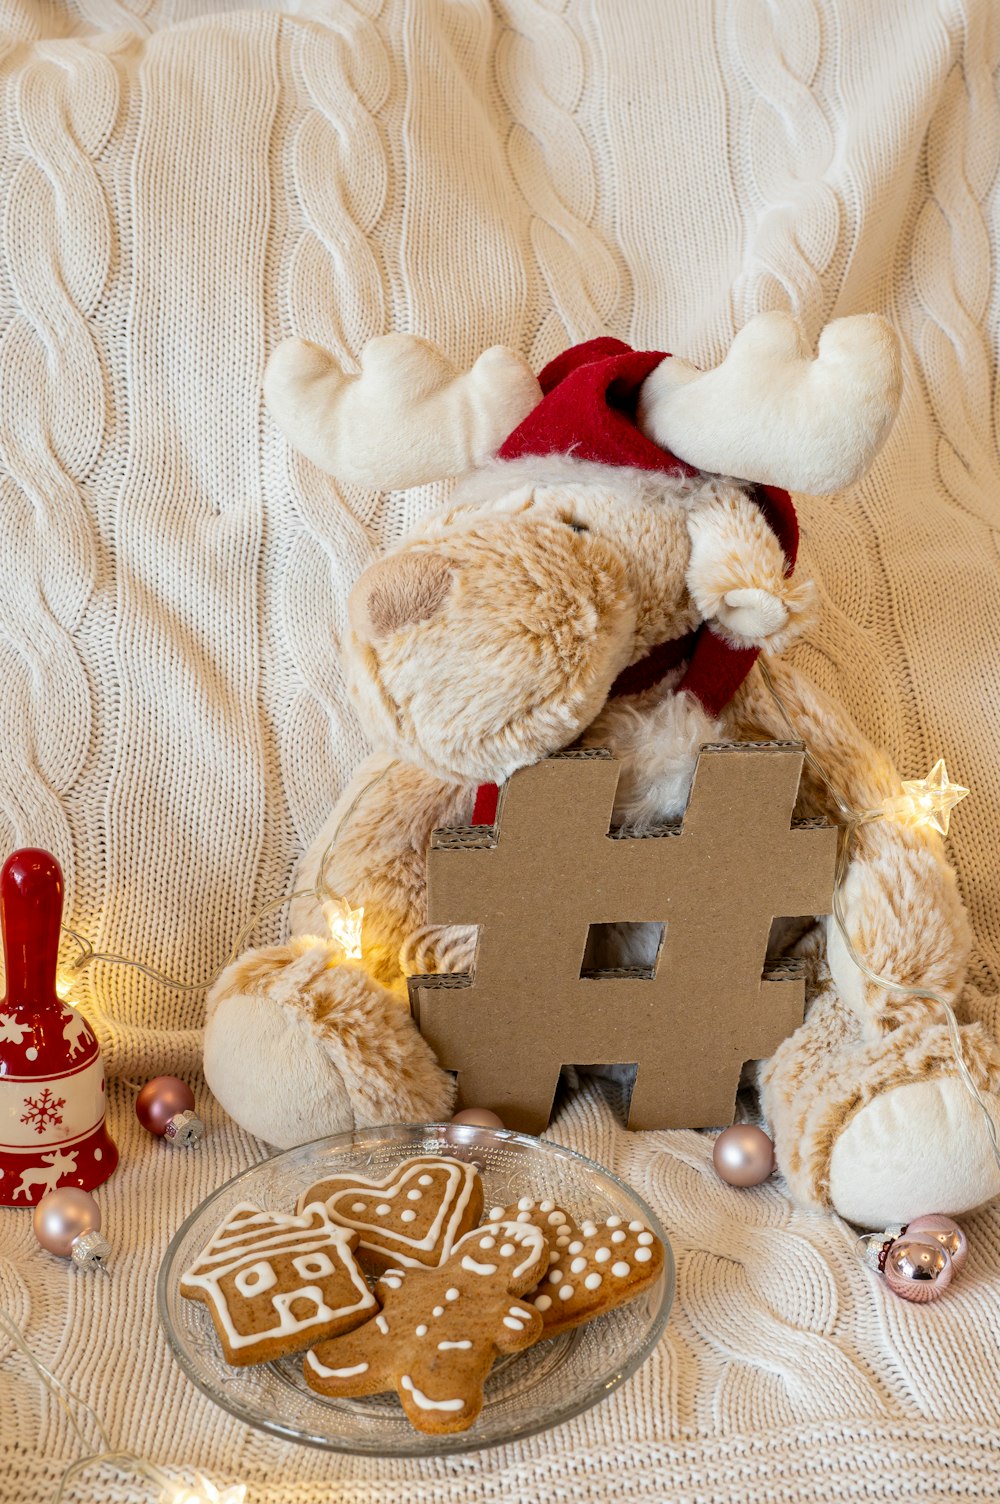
point(439, 1330)
point(413, 1217)
point(275, 1283)
point(593, 1267)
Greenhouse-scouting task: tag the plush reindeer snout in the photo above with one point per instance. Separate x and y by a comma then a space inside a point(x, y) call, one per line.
point(396, 592)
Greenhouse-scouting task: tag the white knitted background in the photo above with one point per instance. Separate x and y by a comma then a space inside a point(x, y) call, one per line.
point(182, 185)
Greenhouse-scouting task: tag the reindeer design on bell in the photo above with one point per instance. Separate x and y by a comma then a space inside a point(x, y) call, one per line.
point(54, 1166)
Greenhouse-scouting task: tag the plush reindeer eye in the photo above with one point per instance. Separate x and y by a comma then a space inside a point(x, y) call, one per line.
point(578, 527)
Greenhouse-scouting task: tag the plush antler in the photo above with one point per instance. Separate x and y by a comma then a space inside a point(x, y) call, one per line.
point(408, 418)
point(771, 413)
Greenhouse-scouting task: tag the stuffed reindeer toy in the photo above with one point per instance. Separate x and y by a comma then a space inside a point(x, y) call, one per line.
point(600, 578)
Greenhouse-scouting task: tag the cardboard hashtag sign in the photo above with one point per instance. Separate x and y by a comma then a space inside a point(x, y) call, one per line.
point(552, 866)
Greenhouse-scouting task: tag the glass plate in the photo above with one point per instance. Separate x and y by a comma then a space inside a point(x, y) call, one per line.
point(525, 1392)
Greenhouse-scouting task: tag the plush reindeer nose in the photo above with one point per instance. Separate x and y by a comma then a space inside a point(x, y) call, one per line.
point(398, 592)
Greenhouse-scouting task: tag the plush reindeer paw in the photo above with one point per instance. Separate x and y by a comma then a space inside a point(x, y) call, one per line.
point(882, 1129)
point(299, 1045)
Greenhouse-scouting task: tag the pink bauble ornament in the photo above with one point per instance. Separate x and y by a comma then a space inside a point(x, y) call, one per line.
point(743, 1155)
point(478, 1117)
point(918, 1271)
point(165, 1106)
point(67, 1222)
point(941, 1229)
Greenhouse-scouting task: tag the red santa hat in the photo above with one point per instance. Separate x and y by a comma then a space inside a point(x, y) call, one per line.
point(588, 411)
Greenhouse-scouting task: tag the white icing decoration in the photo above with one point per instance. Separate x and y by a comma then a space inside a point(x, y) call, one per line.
point(438, 1311)
point(474, 1267)
point(546, 1206)
point(516, 1311)
point(643, 1255)
point(644, 1239)
point(255, 1280)
point(593, 1281)
point(618, 1237)
point(577, 1266)
point(451, 1294)
point(408, 1216)
point(565, 1292)
point(524, 1216)
point(414, 1195)
point(424, 1402)
point(488, 1243)
point(443, 1346)
point(524, 1235)
point(237, 1246)
point(421, 1330)
point(314, 1265)
point(496, 1212)
point(562, 1240)
point(555, 1276)
point(621, 1269)
point(635, 1227)
point(542, 1302)
point(556, 1219)
point(392, 1281)
point(614, 1221)
point(517, 1326)
point(525, 1204)
point(589, 1229)
point(602, 1255)
point(334, 1373)
point(506, 1249)
point(553, 1256)
point(576, 1247)
point(382, 1324)
point(456, 1182)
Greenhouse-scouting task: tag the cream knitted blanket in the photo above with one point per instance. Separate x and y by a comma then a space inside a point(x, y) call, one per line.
point(183, 184)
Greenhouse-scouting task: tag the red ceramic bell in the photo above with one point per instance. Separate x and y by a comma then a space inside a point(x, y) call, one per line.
point(52, 1097)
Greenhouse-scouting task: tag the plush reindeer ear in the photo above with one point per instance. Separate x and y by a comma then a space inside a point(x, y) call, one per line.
point(772, 414)
point(409, 417)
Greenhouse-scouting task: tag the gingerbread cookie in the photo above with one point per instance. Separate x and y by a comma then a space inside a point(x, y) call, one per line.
point(594, 1267)
point(438, 1331)
point(413, 1217)
point(273, 1284)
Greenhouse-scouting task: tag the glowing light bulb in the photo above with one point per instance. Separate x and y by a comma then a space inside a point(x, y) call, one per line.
point(203, 1492)
point(345, 926)
point(927, 801)
point(64, 986)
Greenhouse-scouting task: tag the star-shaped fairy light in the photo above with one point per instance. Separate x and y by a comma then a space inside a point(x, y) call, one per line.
point(927, 801)
point(345, 926)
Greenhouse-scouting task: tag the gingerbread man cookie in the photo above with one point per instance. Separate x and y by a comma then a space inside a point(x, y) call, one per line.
point(275, 1283)
point(438, 1331)
point(593, 1267)
point(411, 1218)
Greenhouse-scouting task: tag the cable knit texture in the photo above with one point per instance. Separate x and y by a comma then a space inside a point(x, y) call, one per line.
point(181, 187)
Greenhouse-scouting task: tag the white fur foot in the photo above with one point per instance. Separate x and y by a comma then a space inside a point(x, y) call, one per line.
point(922, 1147)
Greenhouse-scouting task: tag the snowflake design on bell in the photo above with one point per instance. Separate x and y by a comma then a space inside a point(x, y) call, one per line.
point(43, 1113)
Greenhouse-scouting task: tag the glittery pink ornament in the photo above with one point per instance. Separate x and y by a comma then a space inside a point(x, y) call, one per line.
point(165, 1106)
point(936, 1226)
point(743, 1155)
point(478, 1117)
point(918, 1271)
point(67, 1222)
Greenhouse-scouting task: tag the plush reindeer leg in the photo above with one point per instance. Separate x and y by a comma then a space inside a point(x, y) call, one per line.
point(337, 1034)
point(868, 1110)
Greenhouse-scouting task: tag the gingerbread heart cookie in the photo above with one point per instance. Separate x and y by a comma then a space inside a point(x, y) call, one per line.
point(413, 1217)
point(439, 1330)
point(593, 1267)
point(275, 1283)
